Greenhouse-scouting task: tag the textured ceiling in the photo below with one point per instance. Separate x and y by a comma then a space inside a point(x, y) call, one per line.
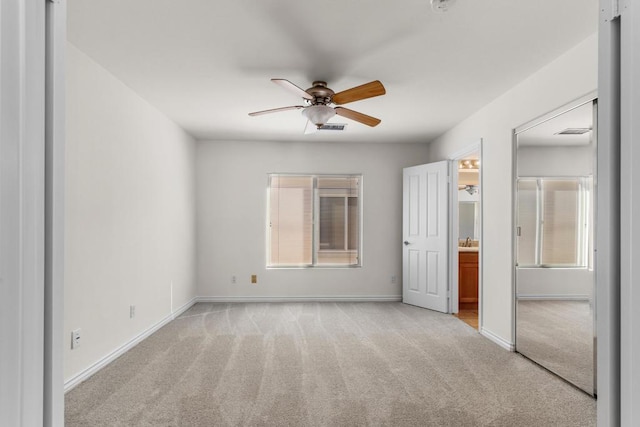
point(207, 63)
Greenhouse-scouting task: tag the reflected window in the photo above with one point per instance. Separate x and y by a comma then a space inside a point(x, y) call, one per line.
point(553, 221)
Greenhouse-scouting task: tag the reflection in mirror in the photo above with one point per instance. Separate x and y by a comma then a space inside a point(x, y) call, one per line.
point(554, 245)
point(468, 216)
point(558, 334)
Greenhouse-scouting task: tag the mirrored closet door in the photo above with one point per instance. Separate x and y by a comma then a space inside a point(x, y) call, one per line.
point(554, 218)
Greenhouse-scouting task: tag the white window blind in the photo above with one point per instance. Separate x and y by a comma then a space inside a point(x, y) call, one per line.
point(291, 218)
point(560, 222)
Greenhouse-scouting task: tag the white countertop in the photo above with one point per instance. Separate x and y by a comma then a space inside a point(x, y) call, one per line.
point(471, 249)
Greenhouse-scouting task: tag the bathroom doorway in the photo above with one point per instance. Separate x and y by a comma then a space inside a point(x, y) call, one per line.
point(466, 231)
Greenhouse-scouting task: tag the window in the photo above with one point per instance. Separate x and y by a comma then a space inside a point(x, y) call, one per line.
point(314, 220)
point(553, 222)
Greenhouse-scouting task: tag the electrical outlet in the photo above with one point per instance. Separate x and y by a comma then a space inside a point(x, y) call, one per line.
point(234, 279)
point(254, 278)
point(132, 311)
point(75, 339)
point(394, 280)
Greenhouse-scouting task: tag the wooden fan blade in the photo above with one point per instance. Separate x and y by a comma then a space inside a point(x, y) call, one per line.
point(292, 88)
point(357, 93)
point(358, 117)
point(275, 110)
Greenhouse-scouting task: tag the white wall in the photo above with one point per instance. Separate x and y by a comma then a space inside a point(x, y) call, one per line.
point(231, 217)
point(555, 161)
point(570, 76)
point(464, 196)
point(130, 214)
point(542, 283)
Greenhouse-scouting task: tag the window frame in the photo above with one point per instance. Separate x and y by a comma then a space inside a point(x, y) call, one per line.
point(316, 222)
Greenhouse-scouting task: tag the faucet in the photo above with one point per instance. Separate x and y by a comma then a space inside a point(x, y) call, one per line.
point(467, 243)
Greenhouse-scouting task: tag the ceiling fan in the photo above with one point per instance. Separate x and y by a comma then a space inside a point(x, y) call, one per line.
point(318, 101)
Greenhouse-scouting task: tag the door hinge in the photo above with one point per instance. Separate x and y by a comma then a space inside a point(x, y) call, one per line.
point(518, 231)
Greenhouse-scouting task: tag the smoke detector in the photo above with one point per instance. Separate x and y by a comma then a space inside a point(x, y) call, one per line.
point(442, 6)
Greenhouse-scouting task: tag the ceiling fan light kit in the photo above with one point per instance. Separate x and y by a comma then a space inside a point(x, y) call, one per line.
point(318, 101)
point(318, 114)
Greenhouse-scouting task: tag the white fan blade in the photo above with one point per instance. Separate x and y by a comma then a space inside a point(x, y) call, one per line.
point(292, 88)
point(276, 110)
point(310, 128)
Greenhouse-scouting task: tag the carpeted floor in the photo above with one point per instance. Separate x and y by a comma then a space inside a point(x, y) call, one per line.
point(559, 335)
point(323, 364)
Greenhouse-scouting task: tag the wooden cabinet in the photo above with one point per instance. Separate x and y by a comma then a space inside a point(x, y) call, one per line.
point(467, 277)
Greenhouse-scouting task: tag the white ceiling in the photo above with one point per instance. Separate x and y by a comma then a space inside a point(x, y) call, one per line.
point(207, 63)
point(544, 134)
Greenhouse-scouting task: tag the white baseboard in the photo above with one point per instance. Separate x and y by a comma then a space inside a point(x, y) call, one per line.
point(88, 372)
point(324, 298)
point(550, 297)
point(497, 340)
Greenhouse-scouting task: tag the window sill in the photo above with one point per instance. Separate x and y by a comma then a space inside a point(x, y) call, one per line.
point(312, 267)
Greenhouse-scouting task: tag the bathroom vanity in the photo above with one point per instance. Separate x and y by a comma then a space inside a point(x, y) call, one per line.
point(468, 275)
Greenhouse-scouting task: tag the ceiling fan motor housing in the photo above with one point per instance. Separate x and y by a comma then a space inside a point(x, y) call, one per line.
point(321, 93)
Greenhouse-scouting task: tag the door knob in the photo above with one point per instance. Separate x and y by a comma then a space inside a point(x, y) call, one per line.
point(406, 243)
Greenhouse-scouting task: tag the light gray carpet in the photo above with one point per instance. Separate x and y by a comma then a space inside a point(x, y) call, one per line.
point(558, 335)
point(323, 364)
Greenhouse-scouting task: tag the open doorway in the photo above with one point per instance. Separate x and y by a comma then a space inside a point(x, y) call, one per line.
point(466, 228)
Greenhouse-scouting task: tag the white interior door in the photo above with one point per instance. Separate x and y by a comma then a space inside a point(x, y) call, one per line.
point(425, 224)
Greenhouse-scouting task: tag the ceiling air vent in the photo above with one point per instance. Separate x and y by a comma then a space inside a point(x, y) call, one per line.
point(573, 131)
point(333, 126)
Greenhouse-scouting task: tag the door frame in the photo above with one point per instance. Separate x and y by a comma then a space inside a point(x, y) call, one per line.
point(55, 136)
point(473, 148)
point(32, 123)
